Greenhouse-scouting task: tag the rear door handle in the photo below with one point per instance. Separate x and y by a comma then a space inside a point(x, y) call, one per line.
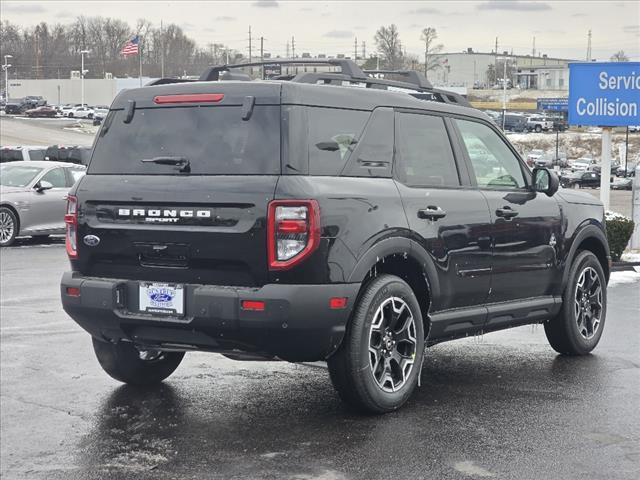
point(431, 213)
point(506, 212)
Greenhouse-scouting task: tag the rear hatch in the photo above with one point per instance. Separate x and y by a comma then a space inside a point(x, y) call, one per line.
point(179, 183)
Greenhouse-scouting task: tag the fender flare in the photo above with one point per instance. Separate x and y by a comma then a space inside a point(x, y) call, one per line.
point(398, 246)
point(588, 231)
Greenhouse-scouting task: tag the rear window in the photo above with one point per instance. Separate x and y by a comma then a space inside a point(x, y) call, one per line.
point(214, 139)
point(36, 154)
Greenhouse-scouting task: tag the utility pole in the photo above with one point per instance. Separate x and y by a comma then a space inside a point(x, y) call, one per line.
point(249, 43)
point(293, 47)
point(288, 49)
point(262, 56)
point(589, 46)
point(364, 50)
point(355, 49)
point(496, 65)
point(161, 50)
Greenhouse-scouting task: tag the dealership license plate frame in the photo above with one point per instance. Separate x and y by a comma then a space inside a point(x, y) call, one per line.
point(173, 307)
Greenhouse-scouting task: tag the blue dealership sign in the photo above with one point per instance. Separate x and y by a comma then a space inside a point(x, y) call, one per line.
point(560, 104)
point(604, 94)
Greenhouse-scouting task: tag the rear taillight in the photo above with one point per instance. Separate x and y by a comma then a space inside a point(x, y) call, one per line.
point(293, 232)
point(71, 221)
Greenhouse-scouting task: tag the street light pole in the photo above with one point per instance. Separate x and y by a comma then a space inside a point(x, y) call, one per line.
point(504, 89)
point(82, 72)
point(5, 67)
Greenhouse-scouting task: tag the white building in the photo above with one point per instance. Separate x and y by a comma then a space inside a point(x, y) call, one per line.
point(469, 69)
point(69, 90)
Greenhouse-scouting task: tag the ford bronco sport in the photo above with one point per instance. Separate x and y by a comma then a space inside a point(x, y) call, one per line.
point(305, 219)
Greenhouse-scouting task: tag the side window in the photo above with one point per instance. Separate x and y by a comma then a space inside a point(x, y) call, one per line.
point(56, 178)
point(36, 154)
point(373, 156)
point(333, 135)
point(424, 157)
point(494, 164)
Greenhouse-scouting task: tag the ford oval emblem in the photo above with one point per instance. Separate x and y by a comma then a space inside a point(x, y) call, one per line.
point(91, 240)
point(161, 297)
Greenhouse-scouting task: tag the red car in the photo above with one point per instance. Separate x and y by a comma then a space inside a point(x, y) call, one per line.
point(43, 111)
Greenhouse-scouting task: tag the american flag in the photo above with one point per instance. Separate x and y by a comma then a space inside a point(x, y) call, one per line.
point(131, 47)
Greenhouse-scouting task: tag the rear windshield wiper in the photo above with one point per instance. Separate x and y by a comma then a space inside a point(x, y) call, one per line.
point(183, 163)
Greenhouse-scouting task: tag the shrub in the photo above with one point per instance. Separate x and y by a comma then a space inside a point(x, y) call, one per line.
point(619, 231)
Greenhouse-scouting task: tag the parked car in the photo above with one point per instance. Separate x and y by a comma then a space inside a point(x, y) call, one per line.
point(16, 107)
point(622, 184)
point(534, 155)
point(22, 153)
point(80, 112)
point(630, 170)
point(514, 122)
point(549, 160)
point(33, 198)
point(44, 111)
point(65, 109)
point(539, 123)
point(582, 164)
point(342, 228)
point(71, 154)
point(580, 179)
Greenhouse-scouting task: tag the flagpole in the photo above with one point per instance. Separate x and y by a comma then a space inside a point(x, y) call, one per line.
point(140, 58)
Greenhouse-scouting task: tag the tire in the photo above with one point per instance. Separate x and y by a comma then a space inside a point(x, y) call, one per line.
point(90, 116)
point(123, 362)
point(8, 227)
point(538, 128)
point(353, 366)
point(574, 331)
point(70, 115)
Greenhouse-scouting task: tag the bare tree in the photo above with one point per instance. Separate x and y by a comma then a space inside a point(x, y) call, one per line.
point(431, 49)
point(388, 44)
point(619, 56)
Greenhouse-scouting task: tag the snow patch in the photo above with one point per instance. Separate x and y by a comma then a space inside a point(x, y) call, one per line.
point(619, 278)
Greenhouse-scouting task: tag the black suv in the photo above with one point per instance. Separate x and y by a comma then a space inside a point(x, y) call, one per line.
point(286, 219)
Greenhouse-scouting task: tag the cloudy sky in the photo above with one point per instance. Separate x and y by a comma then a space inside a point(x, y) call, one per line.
point(560, 27)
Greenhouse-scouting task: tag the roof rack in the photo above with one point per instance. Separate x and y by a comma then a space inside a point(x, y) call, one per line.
point(347, 67)
point(409, 76)
point(412, 82)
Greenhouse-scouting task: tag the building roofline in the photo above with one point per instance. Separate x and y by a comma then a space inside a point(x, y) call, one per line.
point(508, 55)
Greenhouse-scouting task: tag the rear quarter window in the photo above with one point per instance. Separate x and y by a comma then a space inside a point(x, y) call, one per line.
point(333, 135)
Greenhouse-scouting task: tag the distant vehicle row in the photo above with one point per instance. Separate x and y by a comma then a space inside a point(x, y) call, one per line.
point(58, 153)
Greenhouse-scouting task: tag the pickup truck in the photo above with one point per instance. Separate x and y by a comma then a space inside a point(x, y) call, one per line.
point(539, 124)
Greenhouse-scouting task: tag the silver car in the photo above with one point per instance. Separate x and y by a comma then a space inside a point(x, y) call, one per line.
point(33, 197)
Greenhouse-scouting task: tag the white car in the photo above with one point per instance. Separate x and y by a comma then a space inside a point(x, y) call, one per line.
point(80, 112)
point(21, 153)
point(582, 164)
point(534, 155)
point(539, 123)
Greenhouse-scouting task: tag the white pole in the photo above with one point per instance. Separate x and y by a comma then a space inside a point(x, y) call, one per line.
point(82, 78)
point(605, 173)
point(635, 210)
point(504, 93)
point(6, 79)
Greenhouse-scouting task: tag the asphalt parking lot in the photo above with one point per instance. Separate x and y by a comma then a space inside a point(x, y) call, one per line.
point(500, 406)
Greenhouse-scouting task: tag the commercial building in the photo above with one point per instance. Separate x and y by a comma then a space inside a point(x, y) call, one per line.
point(69, 90)
point(472, 69)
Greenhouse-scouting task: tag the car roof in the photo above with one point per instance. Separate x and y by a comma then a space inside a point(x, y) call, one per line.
point(271, 92)
point(45, 163)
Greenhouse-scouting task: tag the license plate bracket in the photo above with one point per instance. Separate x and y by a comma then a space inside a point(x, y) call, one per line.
point(161, 298)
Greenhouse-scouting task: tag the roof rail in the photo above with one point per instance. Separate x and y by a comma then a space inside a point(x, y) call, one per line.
point(412, 81)
point(347, 67)
point(409, 76)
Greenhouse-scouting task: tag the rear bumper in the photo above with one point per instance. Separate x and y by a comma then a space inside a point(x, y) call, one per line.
point(297, 323)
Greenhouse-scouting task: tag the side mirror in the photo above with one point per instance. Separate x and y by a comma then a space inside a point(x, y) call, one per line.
point(43, 185)
point(545, 181)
